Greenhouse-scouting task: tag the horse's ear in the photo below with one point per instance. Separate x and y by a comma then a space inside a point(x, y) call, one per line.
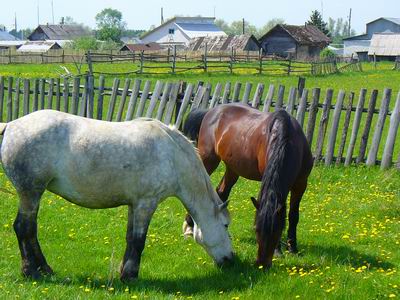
point(255, 202)
point(223, 205)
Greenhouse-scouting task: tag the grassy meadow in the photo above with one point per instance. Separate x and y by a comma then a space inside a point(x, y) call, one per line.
point(349, 230)
point(348, 234)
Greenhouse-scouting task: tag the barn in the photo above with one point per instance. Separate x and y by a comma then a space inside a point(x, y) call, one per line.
point(245, 42)
point(360, 43)
point(180, 30)
point(59, 33)
point(141, 47)
point(298, 42)
point(385, 46)
point(38, 46)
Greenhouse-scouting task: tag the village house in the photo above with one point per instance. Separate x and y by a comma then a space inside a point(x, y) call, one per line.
point(61, 34)
point(7, 40)
point(180, 30)
point(360, 44)
point(245, 42)
point(298, 42)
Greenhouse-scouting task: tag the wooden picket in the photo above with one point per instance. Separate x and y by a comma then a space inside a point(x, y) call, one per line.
point(170, 102)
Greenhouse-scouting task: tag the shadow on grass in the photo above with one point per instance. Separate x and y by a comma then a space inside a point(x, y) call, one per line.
point(240, 276)
point(344, 255)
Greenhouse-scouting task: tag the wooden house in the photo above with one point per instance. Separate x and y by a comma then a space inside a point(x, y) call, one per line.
point(297, 42)
point(245, 42)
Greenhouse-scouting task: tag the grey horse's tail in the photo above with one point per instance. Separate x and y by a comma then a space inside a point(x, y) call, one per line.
point(2, 128)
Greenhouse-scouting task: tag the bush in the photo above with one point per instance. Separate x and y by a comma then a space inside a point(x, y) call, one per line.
point(327, 54)
point(84, 43)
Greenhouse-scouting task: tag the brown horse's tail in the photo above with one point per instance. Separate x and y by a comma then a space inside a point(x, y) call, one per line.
point(276, 180)
point(192, 125)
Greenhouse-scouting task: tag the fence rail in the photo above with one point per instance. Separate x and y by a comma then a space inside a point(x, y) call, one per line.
point(171, 61)
point(340, 132)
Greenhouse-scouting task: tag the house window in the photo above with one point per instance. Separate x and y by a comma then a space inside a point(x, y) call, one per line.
point(171, 31)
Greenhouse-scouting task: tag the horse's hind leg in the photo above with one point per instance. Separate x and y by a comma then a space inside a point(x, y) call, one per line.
point(25, 226)
point(138, 223)
point(295, 197)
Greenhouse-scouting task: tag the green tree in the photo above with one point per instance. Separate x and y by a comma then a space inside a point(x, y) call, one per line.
point(109, 25)
point(84, 43)
point(317, 21)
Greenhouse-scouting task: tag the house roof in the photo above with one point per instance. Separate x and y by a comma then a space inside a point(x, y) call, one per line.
point(141, 47)
point(191, 26)
point(393, 20)
point(61, 32)
point(5, 36)
point(222, 43)
point(357, 37)
point(304, 34)
point(38, 46)
point(385, 44)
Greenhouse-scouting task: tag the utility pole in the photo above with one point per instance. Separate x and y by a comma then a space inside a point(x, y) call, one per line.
point(38, 14)
point(162, 15)
point(52, 10)
point(244, 25)
point(15, 23)
point(350, 22)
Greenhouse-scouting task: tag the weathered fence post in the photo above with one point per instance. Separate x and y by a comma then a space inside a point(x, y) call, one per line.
point(312, 116)
point(269, 98)
point(50, 94)
point(58, 94)
point(371, 160)
point(141, 62)
point(205, 58)
point(154, 98)
point(1, 97)
point(164, 98)
point(227, 91)
point(9, 99)
point(125, 92)
point(113, 100)
point(394, 126)
point(133, 99)
point(216, 95)
point(291, 100)
point(367, 127)
point(90, 97)
point(185, 104)
point(35, 105)
point(258, 95)
point(16, 99)
point(301, 111)
point(247, 91)
point(173, 97)
point(236, 92)
point(281, 94)
point(335, 125)
point(26, 96)
point(323, 124)
point(143, 98)
point(173, 60)
point(345, 129)
point(75, 95)
point(356, 126)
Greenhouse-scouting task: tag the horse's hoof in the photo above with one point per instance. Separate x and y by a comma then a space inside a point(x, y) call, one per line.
point(31, 273)
point(278, 253)
point(46, 270)
point(129, 278)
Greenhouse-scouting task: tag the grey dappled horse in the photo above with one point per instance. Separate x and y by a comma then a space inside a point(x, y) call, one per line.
point(98, 164)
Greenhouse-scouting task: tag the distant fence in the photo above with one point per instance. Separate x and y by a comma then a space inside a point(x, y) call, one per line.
point(170, 61)
point(334, 139)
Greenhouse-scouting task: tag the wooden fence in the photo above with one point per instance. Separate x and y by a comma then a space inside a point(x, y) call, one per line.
point(345, 132)
point(171, 61)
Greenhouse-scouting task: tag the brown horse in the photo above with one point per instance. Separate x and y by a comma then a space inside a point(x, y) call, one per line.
point(267, 147)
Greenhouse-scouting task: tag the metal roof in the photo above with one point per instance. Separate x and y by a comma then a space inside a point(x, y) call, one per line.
point(5, 36)
point(61, 32)
point(387, 44)
point(193, 30)
point(393, 20)
point(202, 21)
point(222, 43)
point(38, 46)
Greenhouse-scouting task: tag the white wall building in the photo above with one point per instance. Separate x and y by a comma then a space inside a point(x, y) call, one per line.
point(180, 30)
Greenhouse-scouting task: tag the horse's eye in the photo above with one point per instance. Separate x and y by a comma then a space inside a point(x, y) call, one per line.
point(226, 225)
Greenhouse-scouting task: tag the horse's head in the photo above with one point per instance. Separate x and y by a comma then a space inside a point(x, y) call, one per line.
point(214, 236)
point(265, 247)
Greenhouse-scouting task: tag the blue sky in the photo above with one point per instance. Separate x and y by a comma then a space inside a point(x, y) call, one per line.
point(143, 14)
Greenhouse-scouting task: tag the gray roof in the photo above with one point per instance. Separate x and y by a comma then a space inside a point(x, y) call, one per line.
point(61, 32)
point(394, 20)
point(303, 34)
point(5, 36)
point(385, 44)
point(222, 43)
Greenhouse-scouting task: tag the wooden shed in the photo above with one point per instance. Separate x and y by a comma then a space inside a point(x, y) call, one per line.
point(298, 42)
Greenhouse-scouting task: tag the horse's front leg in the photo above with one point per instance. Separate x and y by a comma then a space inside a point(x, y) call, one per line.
point(25, 227)
point(138, 223)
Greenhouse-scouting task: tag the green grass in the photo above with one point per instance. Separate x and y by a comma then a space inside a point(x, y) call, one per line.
point(349, 235)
